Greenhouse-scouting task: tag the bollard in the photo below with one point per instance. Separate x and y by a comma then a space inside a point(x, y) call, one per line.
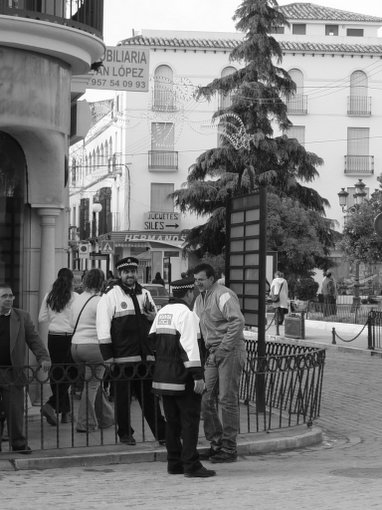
point(334, 336)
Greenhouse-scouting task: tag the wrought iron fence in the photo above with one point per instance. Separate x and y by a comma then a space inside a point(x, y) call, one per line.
point(374, 330)
point(338, 312)
point(282, 389)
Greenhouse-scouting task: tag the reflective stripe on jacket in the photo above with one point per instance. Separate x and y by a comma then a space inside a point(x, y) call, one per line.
point(174, 335)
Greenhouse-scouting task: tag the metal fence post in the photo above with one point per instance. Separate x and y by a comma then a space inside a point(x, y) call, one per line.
point(370, 324)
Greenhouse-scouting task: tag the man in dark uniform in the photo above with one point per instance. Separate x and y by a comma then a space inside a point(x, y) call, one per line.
point(178, 378)
point(17, 332)
point(124, 316)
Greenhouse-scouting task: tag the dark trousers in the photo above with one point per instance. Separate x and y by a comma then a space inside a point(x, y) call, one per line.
point(13, 405)
point(281, 312)
point(182, 430)
point(142, 390)
point(61, 374)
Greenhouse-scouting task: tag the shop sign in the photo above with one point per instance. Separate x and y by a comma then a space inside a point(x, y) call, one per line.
point(123, 68)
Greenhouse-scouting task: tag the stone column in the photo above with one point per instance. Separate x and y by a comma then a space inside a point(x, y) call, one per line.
point(48, 248)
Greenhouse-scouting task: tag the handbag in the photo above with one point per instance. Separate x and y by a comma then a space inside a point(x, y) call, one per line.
point(276, 297)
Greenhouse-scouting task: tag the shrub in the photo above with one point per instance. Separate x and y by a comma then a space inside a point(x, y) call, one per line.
point(305, 289)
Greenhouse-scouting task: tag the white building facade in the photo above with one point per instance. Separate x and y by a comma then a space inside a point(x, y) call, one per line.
point(141, 150)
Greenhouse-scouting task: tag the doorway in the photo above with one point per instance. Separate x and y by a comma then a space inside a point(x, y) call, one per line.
point(12, 203)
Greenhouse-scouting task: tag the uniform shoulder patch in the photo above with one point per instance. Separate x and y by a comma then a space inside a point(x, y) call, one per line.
point(165, 319)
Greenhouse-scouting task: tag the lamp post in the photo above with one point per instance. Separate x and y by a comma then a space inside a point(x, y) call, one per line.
point(97, 208)
point(359, 197)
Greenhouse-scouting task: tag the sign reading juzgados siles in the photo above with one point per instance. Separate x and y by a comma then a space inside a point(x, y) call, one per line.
point(123, 68)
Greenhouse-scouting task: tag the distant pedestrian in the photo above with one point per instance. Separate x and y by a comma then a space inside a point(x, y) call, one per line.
point(279, 295)
point(178, 378)
point(17, 332)
point(158, 280)
point(56, 309)
point(222, 327)
point(329, 293)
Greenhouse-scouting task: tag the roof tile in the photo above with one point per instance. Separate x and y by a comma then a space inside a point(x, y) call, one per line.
point(307, 11)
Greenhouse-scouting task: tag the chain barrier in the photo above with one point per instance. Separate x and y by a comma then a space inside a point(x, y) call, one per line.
point(335, 334)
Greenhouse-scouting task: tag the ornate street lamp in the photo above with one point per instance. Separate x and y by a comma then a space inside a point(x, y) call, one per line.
point(96, 208)
point(359, 197)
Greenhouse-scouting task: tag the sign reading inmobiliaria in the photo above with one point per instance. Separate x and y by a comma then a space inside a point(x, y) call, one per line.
point(123, 68)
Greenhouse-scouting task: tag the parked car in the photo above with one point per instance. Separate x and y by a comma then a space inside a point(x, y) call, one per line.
point(159, 293)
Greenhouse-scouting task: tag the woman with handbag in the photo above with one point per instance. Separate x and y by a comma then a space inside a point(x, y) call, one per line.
point(56, 309)
point(279, 296)
point(95, 411)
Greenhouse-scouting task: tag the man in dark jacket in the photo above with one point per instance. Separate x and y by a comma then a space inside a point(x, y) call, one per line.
point(124, 316)
point(178, 378)
point(17, 332)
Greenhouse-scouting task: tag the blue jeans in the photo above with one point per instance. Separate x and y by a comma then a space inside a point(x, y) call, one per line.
point(222, 377)
point(95, 410)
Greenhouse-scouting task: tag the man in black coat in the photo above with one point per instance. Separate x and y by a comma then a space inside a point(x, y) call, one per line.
point(17, 332)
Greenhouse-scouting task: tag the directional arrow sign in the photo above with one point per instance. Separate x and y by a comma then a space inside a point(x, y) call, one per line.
point(162, 220)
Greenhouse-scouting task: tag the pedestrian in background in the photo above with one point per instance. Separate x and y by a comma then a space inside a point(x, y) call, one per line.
point(279, 293)
point(56, 309)
point(178, 378)
point(17, 332)
point(158, 280)
point(222, 325)
point(94, 410)
point(329, 293)
point(124, 317)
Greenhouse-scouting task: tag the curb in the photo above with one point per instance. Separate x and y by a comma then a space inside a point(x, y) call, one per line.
point(248, 444)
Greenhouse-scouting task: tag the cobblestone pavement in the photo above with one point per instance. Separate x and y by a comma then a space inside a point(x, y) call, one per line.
point(345, 472)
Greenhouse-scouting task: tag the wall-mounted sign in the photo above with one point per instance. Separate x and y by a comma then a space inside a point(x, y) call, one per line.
point(162, 221)
point(123, 68)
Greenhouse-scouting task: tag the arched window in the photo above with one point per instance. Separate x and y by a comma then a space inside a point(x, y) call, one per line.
point(297, 104)
point(359, 102)
point(164, 93)
point(89, 168)
point(101, 156)
point(225, 100)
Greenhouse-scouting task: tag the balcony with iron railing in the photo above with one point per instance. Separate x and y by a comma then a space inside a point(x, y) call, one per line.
point(86, 15)
point(359, 106)
point(164, 100)
point(359, 165)
point(163, 160)
point(297, 105)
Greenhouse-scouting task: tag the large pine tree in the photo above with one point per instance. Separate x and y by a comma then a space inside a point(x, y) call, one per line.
point(249, 154)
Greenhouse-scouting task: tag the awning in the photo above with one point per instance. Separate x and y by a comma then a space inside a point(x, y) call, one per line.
point(129, 238)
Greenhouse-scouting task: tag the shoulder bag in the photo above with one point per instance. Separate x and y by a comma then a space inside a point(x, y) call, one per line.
point(276, 298)
point(79, 315)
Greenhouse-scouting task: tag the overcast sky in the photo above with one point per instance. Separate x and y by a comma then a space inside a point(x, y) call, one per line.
point(121, 16)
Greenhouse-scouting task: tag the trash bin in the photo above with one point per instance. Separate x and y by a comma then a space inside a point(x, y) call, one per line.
point(294, 325)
